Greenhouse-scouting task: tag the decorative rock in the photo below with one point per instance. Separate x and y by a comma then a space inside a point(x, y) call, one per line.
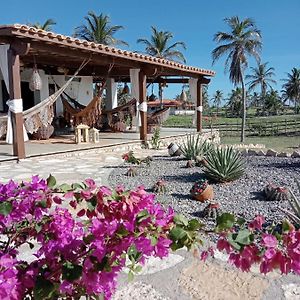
point(271, 152)
point(244, 152)
point(252, 152)
point(295, 154)
point(260, 153)
point(174, 150)
point(284, 154)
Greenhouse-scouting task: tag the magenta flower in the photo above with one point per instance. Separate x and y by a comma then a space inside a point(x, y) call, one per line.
point(269, 240)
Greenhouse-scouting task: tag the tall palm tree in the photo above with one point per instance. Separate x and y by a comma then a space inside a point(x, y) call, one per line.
point(243, 40)
point(160, 45)
point(99, 30)
point(47, 26)
point(262, 76)
point(217, 99)
point(292, 86)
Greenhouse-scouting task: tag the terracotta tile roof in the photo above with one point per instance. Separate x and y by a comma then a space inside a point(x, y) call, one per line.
point(19, 30)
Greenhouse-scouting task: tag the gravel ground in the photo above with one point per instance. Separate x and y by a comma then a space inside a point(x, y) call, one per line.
point(242, 197)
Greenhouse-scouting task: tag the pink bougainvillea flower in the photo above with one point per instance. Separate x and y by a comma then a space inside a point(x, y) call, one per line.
point(269, 240)
point(257, 223)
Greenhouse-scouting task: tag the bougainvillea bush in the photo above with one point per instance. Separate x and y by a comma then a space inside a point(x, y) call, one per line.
point(81, 237)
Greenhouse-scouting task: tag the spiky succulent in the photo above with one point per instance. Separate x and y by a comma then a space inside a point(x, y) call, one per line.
point(224, 164)
point(194, 147)
point(295, 205)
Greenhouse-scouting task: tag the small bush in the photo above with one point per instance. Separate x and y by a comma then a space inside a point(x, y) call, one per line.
point(224, 164)
point(194, 147)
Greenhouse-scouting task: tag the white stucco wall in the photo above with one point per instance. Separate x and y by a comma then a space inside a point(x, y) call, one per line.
point(82, 91)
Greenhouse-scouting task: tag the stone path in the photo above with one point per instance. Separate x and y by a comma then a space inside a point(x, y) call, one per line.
point(180, 276)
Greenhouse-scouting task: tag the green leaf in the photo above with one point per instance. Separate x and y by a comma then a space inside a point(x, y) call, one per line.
point(42, 203)
point(130, 276)
point(51, 181)
point(138, 269)
point(5, 208)
point(143, 215)
point(240, 221)
point(65, 187)
point(181, 220)
point(177, 233)
point(71, 271)
point(232, 242)
point(43, 289)
point(153, 240)
point(80, 186)
point(38, 228)
point(194, 225)
point(225, 221)
point(244, 237)
point(285, 226)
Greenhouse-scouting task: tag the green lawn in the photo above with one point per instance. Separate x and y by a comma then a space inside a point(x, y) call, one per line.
point(278, 143)
point(187, 121)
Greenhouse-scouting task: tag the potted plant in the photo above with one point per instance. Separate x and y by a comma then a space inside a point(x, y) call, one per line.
point(202, 191)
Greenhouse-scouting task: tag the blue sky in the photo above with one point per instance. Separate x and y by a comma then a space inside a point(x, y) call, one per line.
point(194, 22)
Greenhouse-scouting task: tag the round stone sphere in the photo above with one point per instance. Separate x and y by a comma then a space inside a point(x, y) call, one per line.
point(174, 150)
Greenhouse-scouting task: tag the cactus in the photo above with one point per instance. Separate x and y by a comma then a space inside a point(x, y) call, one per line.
point(160, 187)
point(211, 211)
point(132, 172)
point(276, 193)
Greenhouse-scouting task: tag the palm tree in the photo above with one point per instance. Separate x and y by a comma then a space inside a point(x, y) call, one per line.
point(243, 40)
point(292, 86)
point(99, 30)
point(47, 26)
point(217, 99)
point(273, 102)
point(262, 76)
point(235, 102)
point(160, 45)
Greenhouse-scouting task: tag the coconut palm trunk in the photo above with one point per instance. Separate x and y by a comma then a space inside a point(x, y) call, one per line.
point(244, 111)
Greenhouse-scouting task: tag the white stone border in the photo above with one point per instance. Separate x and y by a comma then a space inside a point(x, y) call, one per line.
point(270, 153)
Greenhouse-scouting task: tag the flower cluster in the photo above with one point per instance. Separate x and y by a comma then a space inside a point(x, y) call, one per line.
point(272, 247)
point(79, 253)
point(199, 187)
point(130, 158)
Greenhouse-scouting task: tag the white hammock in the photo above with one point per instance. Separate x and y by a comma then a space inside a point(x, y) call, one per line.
point(41, 114)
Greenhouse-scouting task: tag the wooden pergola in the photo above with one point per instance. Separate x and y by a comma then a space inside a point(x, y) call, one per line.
point(49, 51)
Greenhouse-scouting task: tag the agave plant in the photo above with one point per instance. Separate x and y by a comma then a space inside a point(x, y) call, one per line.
point(195, 147)
point(224, 164)
point(295, 205)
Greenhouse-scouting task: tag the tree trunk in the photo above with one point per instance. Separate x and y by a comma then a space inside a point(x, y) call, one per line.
point(243, 112)
point(160, 95)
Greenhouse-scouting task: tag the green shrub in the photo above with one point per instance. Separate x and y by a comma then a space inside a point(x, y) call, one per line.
point(194, 147)
point(224, 164)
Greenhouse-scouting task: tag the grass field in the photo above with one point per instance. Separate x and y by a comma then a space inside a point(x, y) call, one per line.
point(278, 143)
point(187, 121)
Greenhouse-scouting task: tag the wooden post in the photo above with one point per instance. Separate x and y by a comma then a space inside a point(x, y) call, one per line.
point(15, 93)
point(142, 98)
point(199, 106)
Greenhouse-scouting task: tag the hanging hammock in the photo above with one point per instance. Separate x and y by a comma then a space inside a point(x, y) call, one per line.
point(42, 114)
point(89, 115)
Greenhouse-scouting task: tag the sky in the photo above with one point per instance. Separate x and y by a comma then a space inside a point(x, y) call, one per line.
point(193, 21)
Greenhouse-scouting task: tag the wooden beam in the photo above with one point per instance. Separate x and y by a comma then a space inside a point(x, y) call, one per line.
point(199, 106)
point(15, 93)
point(142, 98)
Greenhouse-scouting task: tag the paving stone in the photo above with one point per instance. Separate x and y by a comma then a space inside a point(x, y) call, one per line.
point(138, 291)
point(291, 291)
point(155, 264)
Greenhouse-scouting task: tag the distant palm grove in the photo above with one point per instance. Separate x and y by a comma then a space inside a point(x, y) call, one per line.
point(254, 86)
